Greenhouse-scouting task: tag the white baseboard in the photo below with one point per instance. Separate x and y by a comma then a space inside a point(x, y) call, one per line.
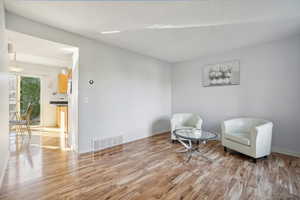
point(285, 151)
point(134, 137)
point(2, 174)
point(128, 139)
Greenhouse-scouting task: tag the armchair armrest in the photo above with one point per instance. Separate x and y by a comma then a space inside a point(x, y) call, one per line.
point(261, 137)
point(266, 126)
point(229, 126)
point(174, 123)
point(263, 130)
point(199, 123)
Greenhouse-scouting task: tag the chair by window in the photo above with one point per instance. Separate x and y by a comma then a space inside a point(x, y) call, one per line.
point(22, 121)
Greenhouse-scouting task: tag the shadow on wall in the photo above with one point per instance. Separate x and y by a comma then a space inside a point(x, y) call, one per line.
point(161, 125)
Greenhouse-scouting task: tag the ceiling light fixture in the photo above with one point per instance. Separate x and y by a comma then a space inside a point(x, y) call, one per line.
point(110, 32)
point(163, 26)
point(169, 26)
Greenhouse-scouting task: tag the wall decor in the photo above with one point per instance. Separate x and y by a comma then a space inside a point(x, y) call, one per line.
point(226, 73)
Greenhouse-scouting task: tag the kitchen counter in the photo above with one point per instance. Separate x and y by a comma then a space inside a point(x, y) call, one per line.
point(62, 116)
point(59, 103)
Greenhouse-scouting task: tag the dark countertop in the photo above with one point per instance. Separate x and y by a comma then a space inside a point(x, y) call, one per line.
point(59, 103)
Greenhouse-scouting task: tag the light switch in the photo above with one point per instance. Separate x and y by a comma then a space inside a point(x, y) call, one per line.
point(86, 100)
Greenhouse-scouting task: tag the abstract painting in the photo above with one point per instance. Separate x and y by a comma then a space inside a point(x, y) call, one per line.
point(226, 73)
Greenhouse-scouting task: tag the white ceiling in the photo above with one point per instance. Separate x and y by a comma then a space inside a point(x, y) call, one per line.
point(170, 30)
point(39, 51)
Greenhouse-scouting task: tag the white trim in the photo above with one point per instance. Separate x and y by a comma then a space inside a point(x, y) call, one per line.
point(285, 151)
point(73, 105)
point(4, 168)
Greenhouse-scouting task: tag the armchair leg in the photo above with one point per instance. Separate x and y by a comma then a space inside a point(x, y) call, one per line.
point(255, 159)
point(173, 141)
point(225, 149)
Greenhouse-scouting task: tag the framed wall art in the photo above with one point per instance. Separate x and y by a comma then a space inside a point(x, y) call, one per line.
point(222, 74)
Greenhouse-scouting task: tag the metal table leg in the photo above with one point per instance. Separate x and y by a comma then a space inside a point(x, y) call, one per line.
point(191, 151)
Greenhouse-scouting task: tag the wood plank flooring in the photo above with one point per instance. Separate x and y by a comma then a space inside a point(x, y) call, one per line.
point(147, 169)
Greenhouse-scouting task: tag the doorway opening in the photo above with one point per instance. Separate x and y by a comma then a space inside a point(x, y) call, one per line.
point(30, 94)
point(25, 92)
point(43, 94)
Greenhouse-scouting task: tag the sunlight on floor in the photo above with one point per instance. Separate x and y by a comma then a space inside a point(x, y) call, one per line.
point(44, 138)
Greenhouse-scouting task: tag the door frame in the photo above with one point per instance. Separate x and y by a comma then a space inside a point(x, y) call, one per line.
point(73, 106)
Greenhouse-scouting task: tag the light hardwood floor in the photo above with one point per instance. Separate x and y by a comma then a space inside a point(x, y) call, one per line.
point(146, 169)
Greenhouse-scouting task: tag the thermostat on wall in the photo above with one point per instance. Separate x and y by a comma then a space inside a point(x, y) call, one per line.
point(91, 82)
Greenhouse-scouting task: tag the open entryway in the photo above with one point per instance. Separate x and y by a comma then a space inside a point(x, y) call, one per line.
point(42, 95)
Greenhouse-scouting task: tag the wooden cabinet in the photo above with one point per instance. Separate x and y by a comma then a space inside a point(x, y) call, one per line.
point(62, 116)
point(62, 83)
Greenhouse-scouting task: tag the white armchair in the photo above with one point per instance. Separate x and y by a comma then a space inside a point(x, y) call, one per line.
point(184, 120)
point(249, 136)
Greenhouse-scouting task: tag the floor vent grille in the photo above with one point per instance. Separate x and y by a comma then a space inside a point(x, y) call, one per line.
point(104, 143)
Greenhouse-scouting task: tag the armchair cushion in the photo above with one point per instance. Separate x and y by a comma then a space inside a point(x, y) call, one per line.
point(242, 138)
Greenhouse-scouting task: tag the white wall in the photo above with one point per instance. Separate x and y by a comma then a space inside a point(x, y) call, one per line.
point(72, 104)
point(270, 89)
point(3, 95)
point(131, 95)
point(49, 81)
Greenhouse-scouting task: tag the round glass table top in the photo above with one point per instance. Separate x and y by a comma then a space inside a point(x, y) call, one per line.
point(195, 134)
